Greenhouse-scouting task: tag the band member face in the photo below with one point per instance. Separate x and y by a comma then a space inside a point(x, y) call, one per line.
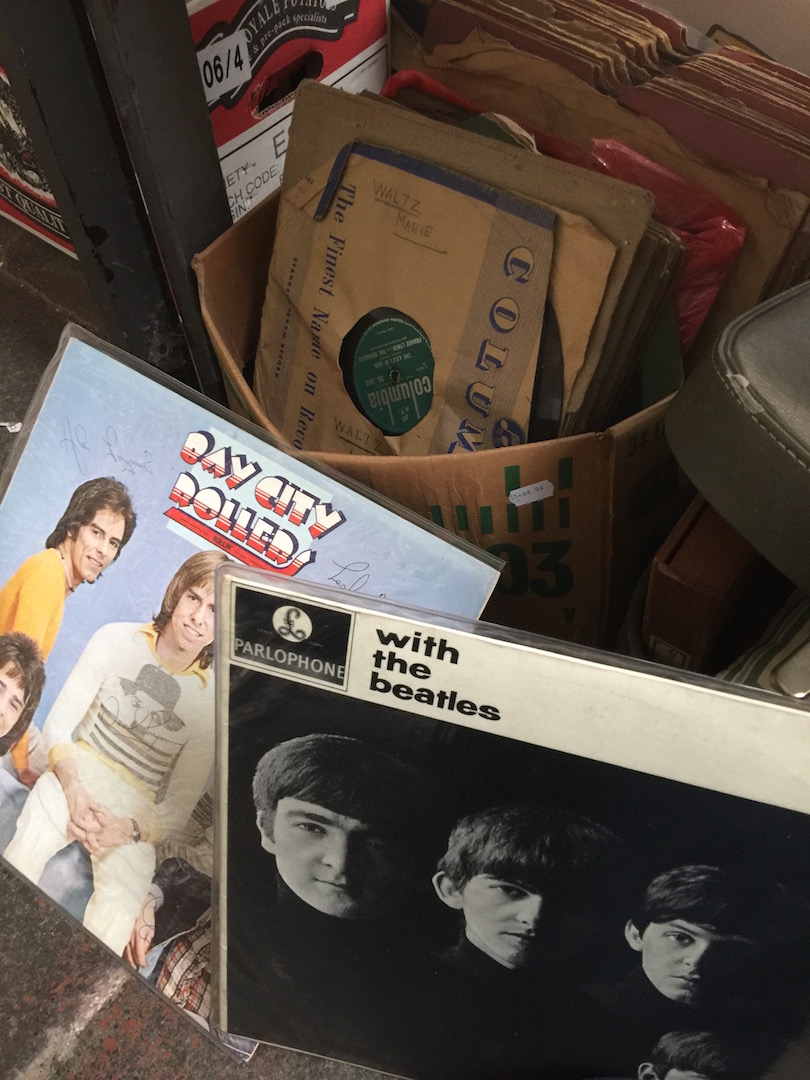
point(649, 1072)
point(502, 918)
point(672, 954)
point(191, 626)
point(90, 548)
point(12, 699)
point(336, 864)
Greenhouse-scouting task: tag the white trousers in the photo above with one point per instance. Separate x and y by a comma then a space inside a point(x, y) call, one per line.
point(121, 876)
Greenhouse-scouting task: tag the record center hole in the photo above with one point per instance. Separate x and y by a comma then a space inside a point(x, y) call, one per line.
point(395, 376)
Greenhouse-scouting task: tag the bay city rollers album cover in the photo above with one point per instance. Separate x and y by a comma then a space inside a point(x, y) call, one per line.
point(124, 493)
point(448, 850)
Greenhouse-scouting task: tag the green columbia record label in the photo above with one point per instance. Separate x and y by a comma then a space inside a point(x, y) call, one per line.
point(387, 368)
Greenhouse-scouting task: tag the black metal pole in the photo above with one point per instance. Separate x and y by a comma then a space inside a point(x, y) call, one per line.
point(112, 99)
point(47, 50)
point(147, 53)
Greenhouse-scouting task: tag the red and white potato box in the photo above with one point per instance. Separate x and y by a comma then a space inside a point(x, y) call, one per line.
point(253, 53)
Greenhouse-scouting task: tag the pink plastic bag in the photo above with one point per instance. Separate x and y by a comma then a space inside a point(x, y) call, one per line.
point(711, 232)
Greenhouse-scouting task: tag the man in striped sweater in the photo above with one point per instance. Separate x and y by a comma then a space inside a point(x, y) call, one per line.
point(130, 749)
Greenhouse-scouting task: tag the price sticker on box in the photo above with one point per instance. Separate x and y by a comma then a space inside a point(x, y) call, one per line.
point(224, 65)
point(531, 493)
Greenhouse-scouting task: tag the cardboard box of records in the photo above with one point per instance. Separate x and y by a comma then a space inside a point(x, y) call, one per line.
point(592, 79)
point(340, 341)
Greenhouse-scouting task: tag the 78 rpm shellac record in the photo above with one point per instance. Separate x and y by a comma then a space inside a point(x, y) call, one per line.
point(387, 366)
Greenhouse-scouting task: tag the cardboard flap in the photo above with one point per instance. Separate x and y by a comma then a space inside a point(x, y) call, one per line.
point(232, 278)
point(325, 119)
point(647, 487)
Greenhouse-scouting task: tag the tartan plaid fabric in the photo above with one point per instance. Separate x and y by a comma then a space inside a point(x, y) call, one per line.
point(186, 973)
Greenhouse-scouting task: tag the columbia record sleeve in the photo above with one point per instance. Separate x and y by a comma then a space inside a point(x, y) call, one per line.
point(404, 308)
point(449, 850)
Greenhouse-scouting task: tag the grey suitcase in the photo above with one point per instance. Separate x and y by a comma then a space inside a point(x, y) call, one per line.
point(740, 429)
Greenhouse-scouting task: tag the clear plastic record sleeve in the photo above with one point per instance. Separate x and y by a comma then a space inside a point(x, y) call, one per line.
point(445, 849)
point(124, 491)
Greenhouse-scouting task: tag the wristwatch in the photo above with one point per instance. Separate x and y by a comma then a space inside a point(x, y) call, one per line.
point(136, 832)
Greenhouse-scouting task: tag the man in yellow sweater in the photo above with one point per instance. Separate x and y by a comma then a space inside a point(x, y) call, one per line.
point(97, 523)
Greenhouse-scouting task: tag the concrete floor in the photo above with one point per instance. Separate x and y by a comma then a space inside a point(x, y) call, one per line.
point(70, 1009)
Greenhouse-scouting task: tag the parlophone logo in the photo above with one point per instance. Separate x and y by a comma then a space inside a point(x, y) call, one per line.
point(292, 624)
point(297, 638)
